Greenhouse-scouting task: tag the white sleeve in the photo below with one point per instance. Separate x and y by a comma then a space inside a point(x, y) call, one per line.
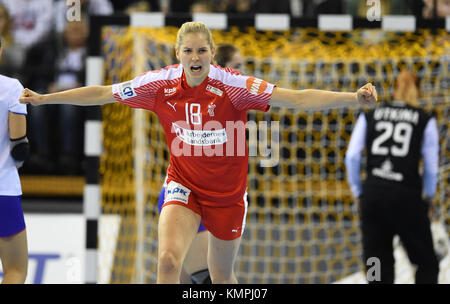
point(14, 94)
point(353, 155)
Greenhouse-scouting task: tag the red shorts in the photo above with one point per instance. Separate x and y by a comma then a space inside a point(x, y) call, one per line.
point(224, 222)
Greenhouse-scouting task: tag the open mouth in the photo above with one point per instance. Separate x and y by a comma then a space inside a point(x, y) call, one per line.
point(196, 68)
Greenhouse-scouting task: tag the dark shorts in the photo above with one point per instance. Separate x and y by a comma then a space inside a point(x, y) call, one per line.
point(161, 202)
point(389, 211)
point(11, 216)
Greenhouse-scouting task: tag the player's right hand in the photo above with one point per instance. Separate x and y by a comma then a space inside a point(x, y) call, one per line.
point(367, 94)
point(30, 97)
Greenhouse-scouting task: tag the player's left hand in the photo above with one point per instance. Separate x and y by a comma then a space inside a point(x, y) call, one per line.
point(367, 94)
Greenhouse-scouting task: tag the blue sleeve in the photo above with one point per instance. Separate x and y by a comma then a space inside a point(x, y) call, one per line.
point(430, 154)
point(353, 155)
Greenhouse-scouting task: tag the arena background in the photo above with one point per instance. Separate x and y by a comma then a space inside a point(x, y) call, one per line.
point(302, 224)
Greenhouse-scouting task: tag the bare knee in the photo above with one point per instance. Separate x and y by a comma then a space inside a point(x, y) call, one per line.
point(168, 263)
point(14, 276)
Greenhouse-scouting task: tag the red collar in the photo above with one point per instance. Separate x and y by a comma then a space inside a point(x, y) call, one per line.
point(186, 86)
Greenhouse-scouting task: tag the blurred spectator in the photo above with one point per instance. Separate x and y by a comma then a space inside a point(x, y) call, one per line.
point(388, 7)
point(203, 6)
point(297, 8)
point(120, 5)
point(236, 6)
point(32, 23)
point(416, 7)
point(272, 7)
point(70, 64)
point(177, 6)
point(98, 7)
point(313, 8)
point(292, 7)
point(138, 5)
point(10, 63)
point(88, 8)
point(442, 8)
point(57, 130)
point(39, 71)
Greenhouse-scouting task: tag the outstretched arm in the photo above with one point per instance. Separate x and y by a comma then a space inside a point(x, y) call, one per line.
point(84, 96)
point(314, 99)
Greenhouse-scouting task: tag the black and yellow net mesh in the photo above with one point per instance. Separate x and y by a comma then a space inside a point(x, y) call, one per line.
point(302, 224)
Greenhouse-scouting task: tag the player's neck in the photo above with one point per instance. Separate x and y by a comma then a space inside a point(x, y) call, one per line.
point(195, 82)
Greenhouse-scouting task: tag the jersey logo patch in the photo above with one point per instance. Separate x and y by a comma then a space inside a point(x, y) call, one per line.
point(169, 92)
point(211, 108)
point(386, 172)
point(172, 105)
point(256, 86)
point(126, 90)
point(214, 90)
point(177, 192)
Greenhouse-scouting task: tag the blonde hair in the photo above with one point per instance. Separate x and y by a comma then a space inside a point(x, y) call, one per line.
point(407, 88)
point(194, 27)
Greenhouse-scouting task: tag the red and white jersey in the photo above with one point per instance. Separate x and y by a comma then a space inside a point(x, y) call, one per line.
point(204, 126)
